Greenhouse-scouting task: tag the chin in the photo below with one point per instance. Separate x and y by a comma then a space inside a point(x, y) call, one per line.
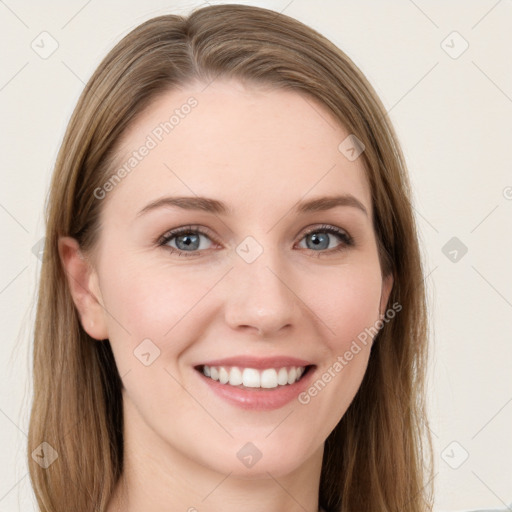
point(261, 469)
point(256, 459)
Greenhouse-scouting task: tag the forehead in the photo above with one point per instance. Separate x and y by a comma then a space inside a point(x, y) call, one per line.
point(246, 145)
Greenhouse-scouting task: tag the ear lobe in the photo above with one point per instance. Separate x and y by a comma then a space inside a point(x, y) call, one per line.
point(387, 286)
point(84, 288)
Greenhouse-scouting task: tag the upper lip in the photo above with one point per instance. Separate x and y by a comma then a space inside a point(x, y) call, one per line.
point(257, 362)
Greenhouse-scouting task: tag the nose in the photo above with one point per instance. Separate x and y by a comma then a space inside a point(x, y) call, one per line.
point(261, 296)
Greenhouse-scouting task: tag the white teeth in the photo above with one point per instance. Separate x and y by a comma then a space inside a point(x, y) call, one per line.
point(223, 375)
point(269, 378)
point(252, 378)
point(282, 377)
point(235, 377)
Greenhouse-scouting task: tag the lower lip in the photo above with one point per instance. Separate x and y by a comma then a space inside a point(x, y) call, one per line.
point(261, 399)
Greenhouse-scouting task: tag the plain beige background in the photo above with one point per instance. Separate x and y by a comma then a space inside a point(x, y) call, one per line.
point(443, 72)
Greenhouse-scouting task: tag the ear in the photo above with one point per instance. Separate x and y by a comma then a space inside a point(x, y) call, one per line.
point(84, 287)
point(387, 286)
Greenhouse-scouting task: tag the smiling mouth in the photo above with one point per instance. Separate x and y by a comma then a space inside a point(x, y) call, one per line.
point(254, 379)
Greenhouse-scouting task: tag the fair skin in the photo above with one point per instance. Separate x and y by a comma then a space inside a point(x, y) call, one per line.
point(260, 152)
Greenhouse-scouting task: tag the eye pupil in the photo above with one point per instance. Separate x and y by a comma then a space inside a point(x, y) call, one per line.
point(188, 242)
point(319, 239)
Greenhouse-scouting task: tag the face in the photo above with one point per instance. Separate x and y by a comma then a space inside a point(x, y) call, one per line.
point(245, 282)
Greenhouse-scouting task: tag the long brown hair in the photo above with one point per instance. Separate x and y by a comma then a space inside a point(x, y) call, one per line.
point(379, 456)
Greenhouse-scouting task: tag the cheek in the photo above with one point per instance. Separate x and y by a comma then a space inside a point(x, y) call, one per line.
point(346, 302)
point(152, 318)
point(146, 302)
point(349, 309)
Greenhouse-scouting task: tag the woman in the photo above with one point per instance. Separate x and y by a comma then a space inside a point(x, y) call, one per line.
point(231, 309)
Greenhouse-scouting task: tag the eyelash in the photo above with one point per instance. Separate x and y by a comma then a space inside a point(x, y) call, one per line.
point(346, 240)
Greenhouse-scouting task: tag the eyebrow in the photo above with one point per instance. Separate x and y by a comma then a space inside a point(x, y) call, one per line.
point(218, 207)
